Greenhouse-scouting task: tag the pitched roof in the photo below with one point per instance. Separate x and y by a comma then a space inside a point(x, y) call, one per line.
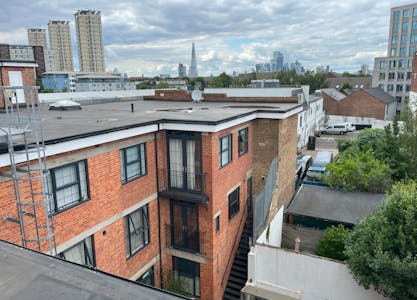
point(380, 95)
point(335, 94)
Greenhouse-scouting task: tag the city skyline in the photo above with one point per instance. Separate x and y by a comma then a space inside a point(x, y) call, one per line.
point(150, 39)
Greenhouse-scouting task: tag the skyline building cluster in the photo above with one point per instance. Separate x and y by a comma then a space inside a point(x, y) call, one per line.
point(277, 64)
point(89, 42)
point(193, 70)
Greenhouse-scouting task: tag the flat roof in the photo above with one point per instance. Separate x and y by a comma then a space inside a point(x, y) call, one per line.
point(26, 274)
point(109, 117)
point(334, 205)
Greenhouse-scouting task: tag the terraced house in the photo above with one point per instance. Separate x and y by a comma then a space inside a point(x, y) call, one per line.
point(155, 190)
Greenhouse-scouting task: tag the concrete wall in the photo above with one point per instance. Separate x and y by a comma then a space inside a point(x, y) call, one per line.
point(304, 277)
point(374, 123)
point(272, 236)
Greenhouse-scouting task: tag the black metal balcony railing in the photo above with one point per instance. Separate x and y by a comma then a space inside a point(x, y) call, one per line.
point(181, 180)
point(180, 237)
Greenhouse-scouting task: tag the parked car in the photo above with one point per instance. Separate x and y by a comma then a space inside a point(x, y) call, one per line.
point(348, 126)
point(318, 167)
point(335, 129)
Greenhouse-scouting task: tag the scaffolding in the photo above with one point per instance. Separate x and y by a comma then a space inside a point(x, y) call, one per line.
point(21, 129)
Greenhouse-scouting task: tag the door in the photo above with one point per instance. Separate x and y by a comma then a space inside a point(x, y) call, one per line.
point(184, 163)
point(184, 226)
point(15, 79)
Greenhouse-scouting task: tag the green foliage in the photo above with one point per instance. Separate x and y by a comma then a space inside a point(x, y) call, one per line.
point(162, 85)
point(142, 86)
point(175, 285)
point(316, 81)
point(344, 144)
point(64, 89)
point(345, 86)
point(47, 91)
point(332, 243)
point(358, 171)
point(223, 80)
point(370, 139)
point(198, 82)
point(382, 249)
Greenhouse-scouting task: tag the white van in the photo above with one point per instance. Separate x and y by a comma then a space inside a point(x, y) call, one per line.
point(335, 129)
point(348, 126)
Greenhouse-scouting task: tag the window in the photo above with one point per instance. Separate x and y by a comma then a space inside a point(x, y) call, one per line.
point(405, 26)
point(400, 75)
point(69, 186)
point(136, 231)
point(217, 220)
point(398, 98)
point(399, 87)
point(133, 162)
point(406, 13)
point(243, 141)
point(404, 39)
point(234, 203)
point(392, 64)
point(411, 52)
point(401, 64)
point(382, 64)
point(393, 51)
point(81, 253)
point(188, 272)
point(410, 63)
point(225, 150)
point(390, 87)
point(409, 75)
point(147, 278)
point(381, 86)
point(394, 39)
point(407, 87)
point(391, 75)
point(414, 25)
point(396, 15)
point(414, 12)
point(402, 51)
point(395, 27)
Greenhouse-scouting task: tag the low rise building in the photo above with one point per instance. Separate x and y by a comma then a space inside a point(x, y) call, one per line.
point(153, 188)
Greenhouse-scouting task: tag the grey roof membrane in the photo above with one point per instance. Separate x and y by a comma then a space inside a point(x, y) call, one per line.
point(115, 116)
point(328, 204)
point(380, 95)
point(26, 274)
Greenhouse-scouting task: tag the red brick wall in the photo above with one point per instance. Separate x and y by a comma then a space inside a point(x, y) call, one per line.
point(359, 104)
point(28, 78)
point(108, 197)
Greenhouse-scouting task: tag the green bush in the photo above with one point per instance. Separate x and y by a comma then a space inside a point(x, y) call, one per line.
point(332, 244)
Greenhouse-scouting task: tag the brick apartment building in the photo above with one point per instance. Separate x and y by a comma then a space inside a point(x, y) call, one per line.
point(363, 103)
point(154, 188)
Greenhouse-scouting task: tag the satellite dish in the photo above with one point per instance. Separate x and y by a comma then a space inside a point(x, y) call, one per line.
point(197, 95)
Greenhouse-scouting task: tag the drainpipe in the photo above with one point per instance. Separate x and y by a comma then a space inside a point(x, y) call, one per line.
point(159, 205)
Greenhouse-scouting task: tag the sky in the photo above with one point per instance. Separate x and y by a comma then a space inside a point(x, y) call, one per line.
point(150, 37)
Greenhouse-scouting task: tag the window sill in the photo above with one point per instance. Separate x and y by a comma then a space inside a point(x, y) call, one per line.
point(68, 207)
point(126, 181)
point(128, 257)
point(221, 167)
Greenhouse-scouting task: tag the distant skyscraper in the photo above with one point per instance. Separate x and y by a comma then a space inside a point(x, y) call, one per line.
point(37, 37)
point(60, 41)
point(192, 72)
point(182, 70)
point(89, 40)
point(278, 61)
point(364, 69)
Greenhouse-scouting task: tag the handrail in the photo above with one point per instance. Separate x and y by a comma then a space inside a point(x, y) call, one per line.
point(234, 242)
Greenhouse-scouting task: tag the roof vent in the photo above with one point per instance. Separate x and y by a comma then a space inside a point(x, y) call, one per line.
point(65, 105)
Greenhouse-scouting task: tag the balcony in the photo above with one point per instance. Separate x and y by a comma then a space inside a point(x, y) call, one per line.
point(185, 239)
point(182, 185)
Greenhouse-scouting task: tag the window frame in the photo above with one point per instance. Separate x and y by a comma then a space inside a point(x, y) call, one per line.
point(52, 185)
point(144, 230)
point(124, 164)
point(148, 273)
point(234, 203)
point(229, 150)
point(87, 255)
point(243, 141)
point(217, 223)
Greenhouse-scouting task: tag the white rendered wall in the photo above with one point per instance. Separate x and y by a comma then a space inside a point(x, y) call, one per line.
point(275, 231)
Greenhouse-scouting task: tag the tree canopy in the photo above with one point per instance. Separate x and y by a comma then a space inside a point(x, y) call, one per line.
point(223, 80)
point(332, 244)
point(382, 249)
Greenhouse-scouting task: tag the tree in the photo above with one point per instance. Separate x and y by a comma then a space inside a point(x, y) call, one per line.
point(345, 86)
point(47, 91)
point(223, 80)
point(358, 171)
point(370, 139)
point(142, 86)
point(332, 243)
point(382, 249)
point(162, 85)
